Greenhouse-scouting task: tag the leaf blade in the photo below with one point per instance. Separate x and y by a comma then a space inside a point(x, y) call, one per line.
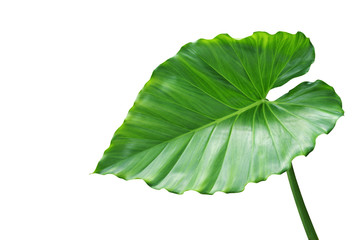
point(202, 122)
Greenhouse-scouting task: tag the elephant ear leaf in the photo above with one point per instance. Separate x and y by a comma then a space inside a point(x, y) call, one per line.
point(202, 122)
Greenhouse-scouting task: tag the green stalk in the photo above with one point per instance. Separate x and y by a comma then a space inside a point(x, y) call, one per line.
point(304, 215)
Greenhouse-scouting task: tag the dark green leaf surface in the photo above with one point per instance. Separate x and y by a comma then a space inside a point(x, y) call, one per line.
point(203, 123)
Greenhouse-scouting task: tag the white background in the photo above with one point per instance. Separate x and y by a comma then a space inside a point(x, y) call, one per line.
point(69, 72)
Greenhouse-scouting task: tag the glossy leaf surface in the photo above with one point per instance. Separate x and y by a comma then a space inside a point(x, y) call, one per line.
point(203, 123)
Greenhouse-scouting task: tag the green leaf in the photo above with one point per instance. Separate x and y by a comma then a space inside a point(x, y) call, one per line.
point(203, 122)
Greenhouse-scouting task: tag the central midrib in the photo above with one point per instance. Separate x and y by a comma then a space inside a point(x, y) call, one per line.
point(238, 112)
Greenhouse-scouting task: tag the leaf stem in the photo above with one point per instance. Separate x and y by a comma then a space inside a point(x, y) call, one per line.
point(304, 215)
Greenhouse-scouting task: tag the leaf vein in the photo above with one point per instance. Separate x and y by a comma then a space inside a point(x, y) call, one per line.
point(226, 79)
point(223, 159)
point(271, 135)
point(283, 125)
point(297, 116)
point(250, 79)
